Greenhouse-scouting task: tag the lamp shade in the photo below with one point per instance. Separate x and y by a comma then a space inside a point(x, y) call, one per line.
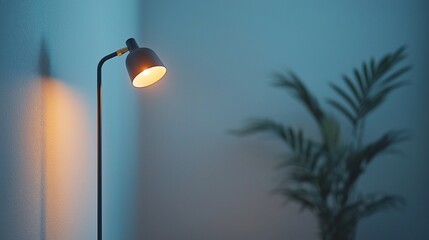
point(143, 65)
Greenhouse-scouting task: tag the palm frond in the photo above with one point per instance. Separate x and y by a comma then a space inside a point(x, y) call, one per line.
point(352, 88)
point(370, 86)
point(396, 74)
point(263, 126)
point(372, 102)
point(358, 161)
point(366, 74)
point(305, 198)
point(330, 131)
point(380, 203)
point(382, 144)
point(322, 175)
point(294, 139)
point(342, 109)
point(299, 90)
point(360, 82)
point(351, 103)
point(302, 176)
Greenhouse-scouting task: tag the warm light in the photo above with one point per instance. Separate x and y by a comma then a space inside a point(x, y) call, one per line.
point(149, 76)
point(66, 153)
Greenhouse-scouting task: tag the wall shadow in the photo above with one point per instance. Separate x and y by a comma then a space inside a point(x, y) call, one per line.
point(56, 143)
point(45, 73)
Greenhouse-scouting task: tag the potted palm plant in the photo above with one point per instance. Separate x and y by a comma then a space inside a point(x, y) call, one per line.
point(321, 174)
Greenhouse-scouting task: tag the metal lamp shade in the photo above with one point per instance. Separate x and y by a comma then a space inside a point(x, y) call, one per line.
point(143, 65)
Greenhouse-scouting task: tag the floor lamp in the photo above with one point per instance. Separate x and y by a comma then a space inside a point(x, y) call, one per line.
point(144, 68)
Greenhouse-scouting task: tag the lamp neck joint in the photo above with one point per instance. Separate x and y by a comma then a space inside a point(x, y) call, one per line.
point(132, 44)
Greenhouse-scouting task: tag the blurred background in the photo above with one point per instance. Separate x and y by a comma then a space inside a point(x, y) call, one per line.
point(171, 170)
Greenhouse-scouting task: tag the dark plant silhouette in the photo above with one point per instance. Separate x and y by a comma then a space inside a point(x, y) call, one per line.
point(321, 175)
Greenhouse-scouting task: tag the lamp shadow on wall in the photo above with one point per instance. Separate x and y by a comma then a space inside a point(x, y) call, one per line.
point(58, 125)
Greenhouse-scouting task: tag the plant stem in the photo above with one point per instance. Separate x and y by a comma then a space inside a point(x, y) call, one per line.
point(361, 132)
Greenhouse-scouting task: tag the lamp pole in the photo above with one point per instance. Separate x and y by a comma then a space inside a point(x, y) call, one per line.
point(99, 142)
point(144, 68)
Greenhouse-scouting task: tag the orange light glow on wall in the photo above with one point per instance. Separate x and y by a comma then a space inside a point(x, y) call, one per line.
point(67, 154)
point(57, 122)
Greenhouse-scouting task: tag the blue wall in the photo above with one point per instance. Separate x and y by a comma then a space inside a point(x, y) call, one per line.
point(171, 169)
point(199, 182)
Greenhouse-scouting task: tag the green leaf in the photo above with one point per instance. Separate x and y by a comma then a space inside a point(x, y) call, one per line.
point(282, 81)
point(352, 88)
point(357, 161)
point(369, 105)
point(367, 153)
point(291, 136)
point(330, 130)
point(343, 110)
point(382, 144)
point(316, 156)
point(303, 176)
point(396, 74)
point(308, 151)
point(360, 82)
point(384, 64)
point(383, 93)
point(300, 91)
point(373, 68)
point(378, 204)
point(301, 196)
point(366, 74)
point(346, 97)
point(300, 141)
point(263, 125)
point(389, 61)
point(398, 56)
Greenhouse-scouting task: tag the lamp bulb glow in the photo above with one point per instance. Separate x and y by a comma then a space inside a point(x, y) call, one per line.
point(149, 76)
